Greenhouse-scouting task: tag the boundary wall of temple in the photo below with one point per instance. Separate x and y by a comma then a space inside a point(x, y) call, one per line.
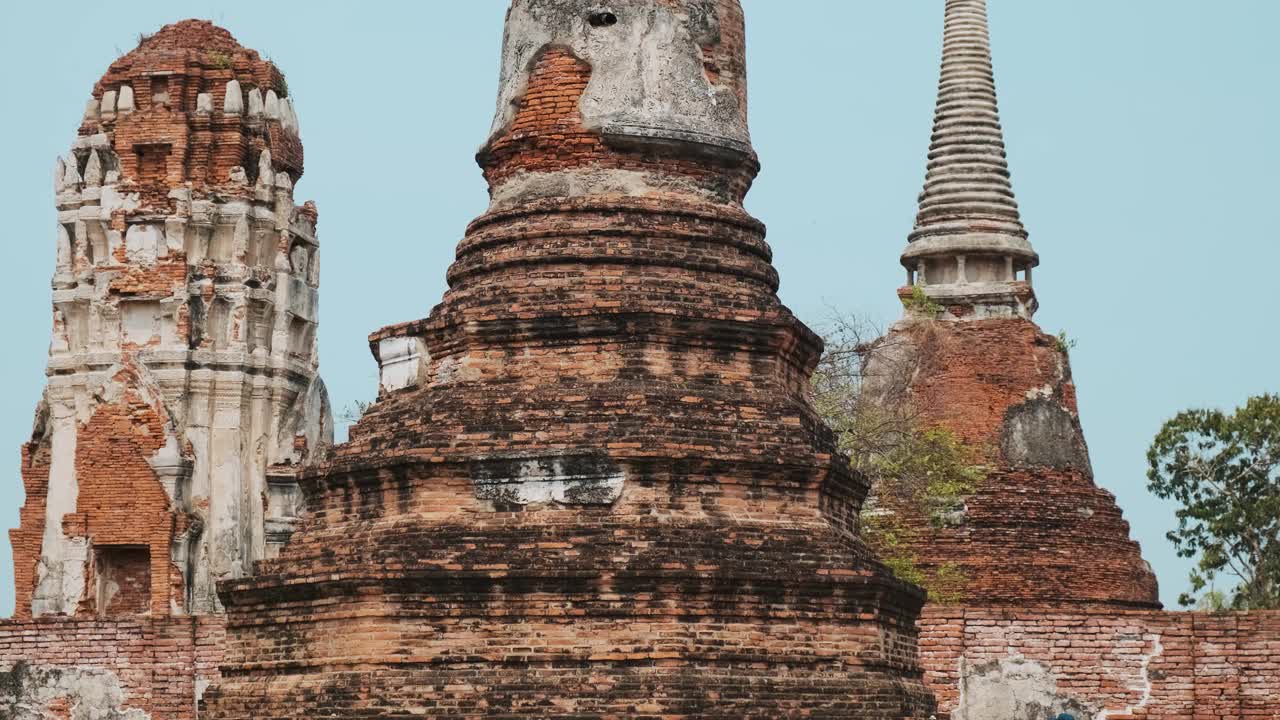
point(108, 669)
point(1100, 663)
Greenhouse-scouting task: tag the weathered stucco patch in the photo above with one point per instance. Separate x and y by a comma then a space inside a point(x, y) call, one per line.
point(569, 480)
point(1013, 689)
point(402, 362)
point(1042, 433)
point(31, 693)
point(526, 186)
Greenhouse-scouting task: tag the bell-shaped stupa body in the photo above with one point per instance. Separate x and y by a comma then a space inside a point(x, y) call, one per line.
point(593, 485)
point(183, 392)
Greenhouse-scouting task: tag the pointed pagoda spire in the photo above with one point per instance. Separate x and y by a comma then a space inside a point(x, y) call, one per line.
point(969, 246)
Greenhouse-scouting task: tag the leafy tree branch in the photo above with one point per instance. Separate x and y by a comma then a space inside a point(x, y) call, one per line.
point(1223, 470)
point(920, 474)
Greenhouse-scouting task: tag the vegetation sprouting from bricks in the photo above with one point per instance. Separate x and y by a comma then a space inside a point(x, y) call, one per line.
point(915, 468)
point(921, 304)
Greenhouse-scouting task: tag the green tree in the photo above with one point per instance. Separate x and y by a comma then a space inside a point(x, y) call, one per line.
point(862, 391)
point(1224, 472)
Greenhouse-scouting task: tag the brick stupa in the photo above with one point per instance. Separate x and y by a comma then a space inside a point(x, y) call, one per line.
point(593, 486)
point(1038, 529)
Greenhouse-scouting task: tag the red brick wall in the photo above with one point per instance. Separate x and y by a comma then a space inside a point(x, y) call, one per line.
point(124, 579)
point(121, 501)
point(725, 61)
point(971, 373)
point(120, 506)
point(27, 538)
point(1140, 664)
point(162, 279)
point(161, 665)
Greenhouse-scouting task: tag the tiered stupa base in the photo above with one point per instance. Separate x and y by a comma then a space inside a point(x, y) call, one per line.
point(584, 512)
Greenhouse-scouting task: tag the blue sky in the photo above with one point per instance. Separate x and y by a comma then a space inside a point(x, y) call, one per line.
point(1141, 135)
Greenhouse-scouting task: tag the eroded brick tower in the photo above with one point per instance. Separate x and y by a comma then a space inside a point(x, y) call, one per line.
point(593, 486)
point(182, 392)
point(1037, 529)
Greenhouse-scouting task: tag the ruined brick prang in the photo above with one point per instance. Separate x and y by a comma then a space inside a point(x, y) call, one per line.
point(592, 486)
point(182, 395)
point(1037, 528)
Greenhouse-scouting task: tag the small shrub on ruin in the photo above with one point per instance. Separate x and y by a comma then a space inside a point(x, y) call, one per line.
point(220, 60)
point(1065, 343)
point(860, 391)
point(921, 304)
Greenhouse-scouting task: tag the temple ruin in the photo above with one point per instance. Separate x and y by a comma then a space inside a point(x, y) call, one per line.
point(593, 485)
point(182, 395)
point(1037, 528)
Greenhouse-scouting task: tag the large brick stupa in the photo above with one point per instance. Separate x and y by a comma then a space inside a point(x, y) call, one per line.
point(593, 486)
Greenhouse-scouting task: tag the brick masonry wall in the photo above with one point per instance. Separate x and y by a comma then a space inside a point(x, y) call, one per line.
point(26, 538)
point(121, 503)
point(109, 670)
point(989, 663)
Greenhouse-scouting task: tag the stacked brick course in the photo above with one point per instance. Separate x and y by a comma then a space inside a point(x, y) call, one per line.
point(604, 494)
point(121, 505)
point(1037, 529)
